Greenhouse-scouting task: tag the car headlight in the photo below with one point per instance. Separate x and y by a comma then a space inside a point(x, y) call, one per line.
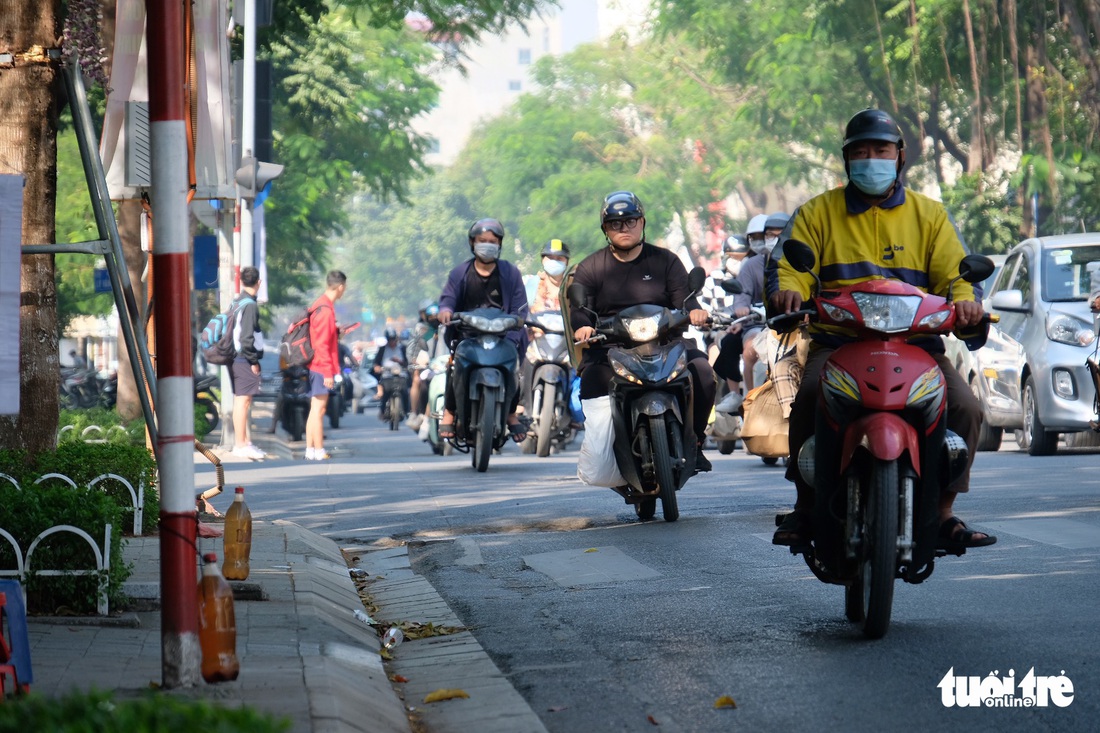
point(644, 329)
point(887, 313)
point(619, 368)
point(1068, 330)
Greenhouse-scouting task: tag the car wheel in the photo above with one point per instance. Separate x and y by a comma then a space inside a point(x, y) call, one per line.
point(1040, 442)
point(989, 436)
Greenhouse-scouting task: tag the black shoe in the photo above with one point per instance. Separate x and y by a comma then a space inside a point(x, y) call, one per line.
point(702, 465)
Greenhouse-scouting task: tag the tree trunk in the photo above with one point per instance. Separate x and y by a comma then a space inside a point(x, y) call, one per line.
point(1018, 79)
point(977, 144)
point(29, 95)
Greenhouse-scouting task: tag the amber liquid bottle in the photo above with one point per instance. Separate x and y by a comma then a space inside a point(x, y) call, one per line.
point(237, 539)
point(217, 624)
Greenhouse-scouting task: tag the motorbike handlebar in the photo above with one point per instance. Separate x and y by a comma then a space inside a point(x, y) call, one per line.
point(591, 340)
point(785, 321)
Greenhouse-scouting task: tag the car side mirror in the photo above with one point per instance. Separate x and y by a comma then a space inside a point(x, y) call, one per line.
point(1008, 300)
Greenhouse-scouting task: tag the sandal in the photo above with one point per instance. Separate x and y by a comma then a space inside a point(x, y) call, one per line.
point(792, 529)
point(518, 431)
point(954, 535)
point(446, 431)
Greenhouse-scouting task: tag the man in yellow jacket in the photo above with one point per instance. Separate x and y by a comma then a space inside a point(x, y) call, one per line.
point(875, 228)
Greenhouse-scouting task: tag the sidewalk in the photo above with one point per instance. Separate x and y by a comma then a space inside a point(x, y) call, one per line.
point(304, 655)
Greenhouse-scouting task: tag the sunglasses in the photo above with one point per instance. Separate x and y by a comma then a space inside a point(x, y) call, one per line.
point(618, 225)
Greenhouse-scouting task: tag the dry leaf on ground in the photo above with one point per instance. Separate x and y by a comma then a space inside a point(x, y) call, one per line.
point(725, 702)
point(440, 695)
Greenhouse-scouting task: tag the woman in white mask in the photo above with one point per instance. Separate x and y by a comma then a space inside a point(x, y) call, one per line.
point(555, 261)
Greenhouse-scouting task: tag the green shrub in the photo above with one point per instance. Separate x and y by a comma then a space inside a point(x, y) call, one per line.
point(98, 712)
point(132, 432)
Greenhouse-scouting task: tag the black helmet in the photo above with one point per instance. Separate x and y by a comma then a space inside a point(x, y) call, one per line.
point(621, 205)
point(391, 334)
point(486, 225)
point(872, 124)
point(555, 247)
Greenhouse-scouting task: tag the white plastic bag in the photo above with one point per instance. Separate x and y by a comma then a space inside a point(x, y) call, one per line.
point(596, 464)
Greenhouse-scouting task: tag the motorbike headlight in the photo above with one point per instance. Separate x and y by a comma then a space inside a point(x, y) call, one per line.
point(837, 315)
point(479, 322)
point(551, 321)
point(927, 394)
point(619, 368)
point(839, 388)
point(678, 367)
point(488, 342)
point(887, 313)
point(934, 320)
point(1068, 330)
point(500, 325)
point(644, 329)
point(338, 378)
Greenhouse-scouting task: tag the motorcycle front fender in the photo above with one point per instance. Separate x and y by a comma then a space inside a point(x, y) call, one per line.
point(550, 373)
point(485, 377)
point(885, 435)
point(654, 404)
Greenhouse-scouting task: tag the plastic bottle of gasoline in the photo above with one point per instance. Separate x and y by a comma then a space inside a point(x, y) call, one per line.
point(237, 538)
point(217, 624)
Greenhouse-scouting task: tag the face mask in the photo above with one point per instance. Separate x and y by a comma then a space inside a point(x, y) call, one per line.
point(769, 243)
point(757, 246)
point(733, 266)
point(554, 268)
point(486, 251)
point(873, 176)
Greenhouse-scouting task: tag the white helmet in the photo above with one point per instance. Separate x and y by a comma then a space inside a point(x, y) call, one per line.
point(756, 224)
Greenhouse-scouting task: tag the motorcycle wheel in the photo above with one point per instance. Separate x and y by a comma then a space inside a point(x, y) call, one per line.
point(396, 411)
point(646, 509)
point(546, 420)
point(334, 410)
point(725, 447)
point(295, 424)
point(486, 423)
point(662, 462)
point(879, 552)
point(209, 412)
point(853, 601)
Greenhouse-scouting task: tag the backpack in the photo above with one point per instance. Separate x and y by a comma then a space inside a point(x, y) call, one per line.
point(216, 341)
point(296, 348)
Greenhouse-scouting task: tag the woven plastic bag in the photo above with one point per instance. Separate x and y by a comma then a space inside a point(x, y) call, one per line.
point(765, 430)
point(596, 464)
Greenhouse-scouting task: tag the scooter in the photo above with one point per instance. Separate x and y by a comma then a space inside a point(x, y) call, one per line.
point(395, 382)
point(725, 428)
point(484, 372)
point(881, 450)
point(436, 376)
point(549, 388)
point(651, 400)
point(292, 403)
point(79, 388)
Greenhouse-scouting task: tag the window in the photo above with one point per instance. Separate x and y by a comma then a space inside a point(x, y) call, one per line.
point(514, 85)
point(524, 56)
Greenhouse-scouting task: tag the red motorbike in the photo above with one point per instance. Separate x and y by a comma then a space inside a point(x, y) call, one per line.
point(881, 450)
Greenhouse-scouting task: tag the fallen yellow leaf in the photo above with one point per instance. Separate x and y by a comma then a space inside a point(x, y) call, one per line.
point(592, 549)
point(439, 695)
point(725, 702)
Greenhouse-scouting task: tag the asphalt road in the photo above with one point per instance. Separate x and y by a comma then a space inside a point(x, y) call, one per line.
point(607, 624)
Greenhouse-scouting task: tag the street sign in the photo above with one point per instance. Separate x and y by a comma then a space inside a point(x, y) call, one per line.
point(206, 262)
point(101, 280)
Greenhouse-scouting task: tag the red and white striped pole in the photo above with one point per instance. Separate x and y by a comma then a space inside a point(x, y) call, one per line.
point(181, 654)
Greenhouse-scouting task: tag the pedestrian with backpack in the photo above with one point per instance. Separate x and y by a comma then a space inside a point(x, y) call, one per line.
point(324, 339)
point(244, 372)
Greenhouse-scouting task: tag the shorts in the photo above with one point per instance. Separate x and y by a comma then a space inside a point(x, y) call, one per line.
point(317, 386)
point(243, 381)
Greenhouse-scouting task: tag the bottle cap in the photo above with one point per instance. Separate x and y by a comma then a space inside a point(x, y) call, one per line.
point(239, 490)
point(210, 557)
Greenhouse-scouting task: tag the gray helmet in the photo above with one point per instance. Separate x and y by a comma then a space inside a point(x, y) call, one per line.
point(872, 124)
point(778, 220)
point(486, 225)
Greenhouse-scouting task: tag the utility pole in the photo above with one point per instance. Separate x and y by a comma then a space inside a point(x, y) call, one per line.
point(180, 650)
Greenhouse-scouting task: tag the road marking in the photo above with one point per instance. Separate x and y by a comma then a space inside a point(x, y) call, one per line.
point(581, 567)
point(1067, 533)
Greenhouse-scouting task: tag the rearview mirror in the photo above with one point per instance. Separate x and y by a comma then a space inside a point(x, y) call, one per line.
point(799, 255)
point(975, 268)
point(733, 286)
point(696, 278)
point(578, 295)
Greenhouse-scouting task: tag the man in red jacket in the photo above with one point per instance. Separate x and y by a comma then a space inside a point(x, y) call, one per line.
point(326, 362)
